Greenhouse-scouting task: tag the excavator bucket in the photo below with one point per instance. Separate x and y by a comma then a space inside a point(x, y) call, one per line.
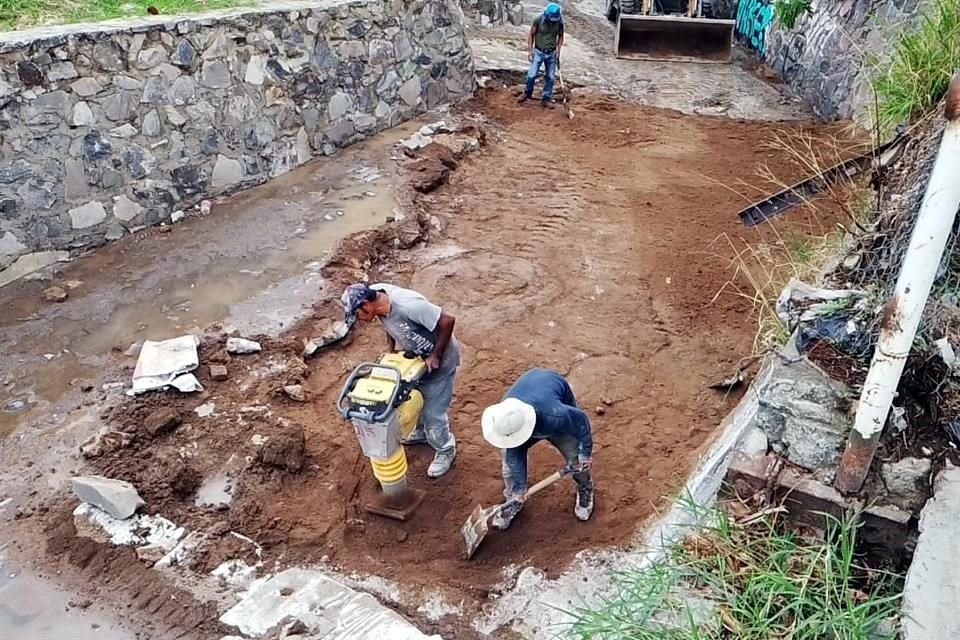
point(674, 38)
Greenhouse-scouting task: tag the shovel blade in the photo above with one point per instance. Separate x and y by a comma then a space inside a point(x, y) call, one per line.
point(475, 529)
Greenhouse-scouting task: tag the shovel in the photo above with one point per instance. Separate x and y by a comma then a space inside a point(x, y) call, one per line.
point(477, 526)
point(563, 88)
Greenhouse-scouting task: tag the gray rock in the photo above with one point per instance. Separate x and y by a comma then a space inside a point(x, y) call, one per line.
point(215, 75)
point(302, 146)
point(340, 105)
point(111, 178)
point(61, 71)
point(127, 83)
point(226, 172)
point(380, 51)
point(8, 208)
point(410, 91)
point(364, 123)
point(323, 57)
point(118, 498)
point(189, 179)
point(402, 47)
point(37, 194)
point(241, 346)
point(210, 142)
point(75, 184)
point(10, 245)
point(114, 232)
point(753, 441)
point(382, 111)
point(183, 91)
point(15, 172)
point(86, 87)
point(108, 56)
point(906, 480)
point(174, 116)
point(341, 132)
point(126, 130)
point(154, 90)
point(805, 412)
point(52, 102)
point(125, 209)
point(256, 70)
point(151, 125)
point(149, 58)
point(96, 147)
point(88, 215)
point(203, 112)
point(310, 119)
point(120, 106)
point(29, 74)
point(295, 392)
point(933, 580)
point(184, 54)
point(139, 162)
point(388, 82)
point(259, 135)
point(515, 14)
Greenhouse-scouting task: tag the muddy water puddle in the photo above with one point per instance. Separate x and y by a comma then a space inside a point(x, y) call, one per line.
point(32, 608)
point(253, 264)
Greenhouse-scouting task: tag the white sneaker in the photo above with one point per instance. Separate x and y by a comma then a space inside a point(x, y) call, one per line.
point(584, 508)
point(442, 462)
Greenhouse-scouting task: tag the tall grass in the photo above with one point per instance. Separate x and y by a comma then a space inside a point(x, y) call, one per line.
point(22, 14)
point(759, 582)
point(923, 62)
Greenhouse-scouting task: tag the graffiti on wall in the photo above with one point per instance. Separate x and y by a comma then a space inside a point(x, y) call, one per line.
point(753, 20)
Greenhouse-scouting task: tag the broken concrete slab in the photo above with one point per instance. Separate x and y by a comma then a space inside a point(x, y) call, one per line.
point(239, 346)
point(118, 498)
point(932, 588)
point(327, 608)
point(160, 363)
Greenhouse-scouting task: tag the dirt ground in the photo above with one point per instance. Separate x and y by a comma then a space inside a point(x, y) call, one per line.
point(592, 246)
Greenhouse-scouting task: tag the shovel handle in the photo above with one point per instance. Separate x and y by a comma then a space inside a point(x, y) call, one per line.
point(546, 482)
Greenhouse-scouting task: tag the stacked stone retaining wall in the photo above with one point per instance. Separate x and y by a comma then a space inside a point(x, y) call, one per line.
point(111, 127)
point(829, 55)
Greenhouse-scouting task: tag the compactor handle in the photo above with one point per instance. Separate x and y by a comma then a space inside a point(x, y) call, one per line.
point(346, 412)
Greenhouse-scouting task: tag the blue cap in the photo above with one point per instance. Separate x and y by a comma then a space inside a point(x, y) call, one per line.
point(552, 12)
point(353, 298)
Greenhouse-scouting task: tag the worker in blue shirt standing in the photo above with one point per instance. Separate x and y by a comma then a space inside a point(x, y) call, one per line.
point(539, 406)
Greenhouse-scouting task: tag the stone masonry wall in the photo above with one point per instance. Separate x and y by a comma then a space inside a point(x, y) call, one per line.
point(828, 56)
point(490, 13)
point(108, 128)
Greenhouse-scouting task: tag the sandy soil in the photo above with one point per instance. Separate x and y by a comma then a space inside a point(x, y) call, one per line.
point(590, 246)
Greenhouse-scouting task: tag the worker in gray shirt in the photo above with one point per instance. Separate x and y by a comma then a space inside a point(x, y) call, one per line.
point(414, 324)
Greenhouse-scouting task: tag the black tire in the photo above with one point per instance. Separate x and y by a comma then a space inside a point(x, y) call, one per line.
point(629, 7)
point(613, 10)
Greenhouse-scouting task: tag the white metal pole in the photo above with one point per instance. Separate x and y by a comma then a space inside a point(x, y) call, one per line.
point(902, 312)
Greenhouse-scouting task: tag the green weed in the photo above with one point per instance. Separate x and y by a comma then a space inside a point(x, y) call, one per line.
point(787, 12)
point(923, 63)
point(759, 582)
point(22, 14)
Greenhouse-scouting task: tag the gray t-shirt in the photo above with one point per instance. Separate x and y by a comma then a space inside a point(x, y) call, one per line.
point(412, 322)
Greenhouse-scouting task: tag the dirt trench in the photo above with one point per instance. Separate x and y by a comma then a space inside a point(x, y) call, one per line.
point(592, 246)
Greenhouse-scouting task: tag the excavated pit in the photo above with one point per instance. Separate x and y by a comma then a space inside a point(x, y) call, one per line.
point(588, 246)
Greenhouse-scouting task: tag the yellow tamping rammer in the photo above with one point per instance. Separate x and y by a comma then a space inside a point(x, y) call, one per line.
point(382, 402)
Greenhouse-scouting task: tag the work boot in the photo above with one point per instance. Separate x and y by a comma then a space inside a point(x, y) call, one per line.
point(584, 508)
point(417, 436)
point(506, 515)
point(546, 104)
point(523, 98)
point(442, 462)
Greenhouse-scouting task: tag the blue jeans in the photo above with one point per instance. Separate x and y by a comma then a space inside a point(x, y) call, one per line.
point(549, 62)
point(437, 390)
point(515, 479)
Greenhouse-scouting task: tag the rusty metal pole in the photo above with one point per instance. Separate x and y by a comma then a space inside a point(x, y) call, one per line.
point(902, 312)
